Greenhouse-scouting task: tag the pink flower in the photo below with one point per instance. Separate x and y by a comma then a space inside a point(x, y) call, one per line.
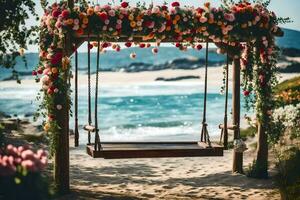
point(97, 8)
point(106, 7)
point(162, 28)
point(112, 13)
point(203, 19)
point(229, 17)
point(118, 26)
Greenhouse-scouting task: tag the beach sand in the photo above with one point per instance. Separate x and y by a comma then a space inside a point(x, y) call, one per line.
point(164, 178)
point(161, 178)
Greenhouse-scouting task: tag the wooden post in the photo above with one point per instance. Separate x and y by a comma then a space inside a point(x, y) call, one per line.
point(61, 156)
point(236, 92)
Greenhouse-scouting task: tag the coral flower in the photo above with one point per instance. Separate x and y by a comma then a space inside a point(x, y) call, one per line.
point(85, 20)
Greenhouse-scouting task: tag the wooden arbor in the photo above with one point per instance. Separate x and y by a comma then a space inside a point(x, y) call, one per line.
point(61, 157)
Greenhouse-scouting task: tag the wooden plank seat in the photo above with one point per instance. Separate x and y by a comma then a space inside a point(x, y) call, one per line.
point(118, 150)
point(229, 126)
point(89, 128)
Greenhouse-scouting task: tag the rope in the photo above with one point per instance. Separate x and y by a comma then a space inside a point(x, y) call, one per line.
point(97, 137)
point(89, 89)
point(76, 100)
point(225, 130)
point(204, 132)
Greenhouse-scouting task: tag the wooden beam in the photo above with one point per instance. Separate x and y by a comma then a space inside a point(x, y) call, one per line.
point(236, 92)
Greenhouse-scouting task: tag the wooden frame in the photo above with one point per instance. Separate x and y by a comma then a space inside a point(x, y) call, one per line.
point(61, 157)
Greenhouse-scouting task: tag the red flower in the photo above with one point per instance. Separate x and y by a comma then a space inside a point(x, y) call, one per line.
point(246, 93)
point(175, 4)
point(90, 46)
point(105, 44)
point(169, 23)
point(142, 45)
point(65, 13)
point(148, 23)
point(55, 13)
point(164, 7)
point(177, 45)
point(200, 10)
point(199, 47)
point(56, 58)
point(34, 73)
point(40, 70)
point(124, 4)
point(128, 44)
point(103, 16)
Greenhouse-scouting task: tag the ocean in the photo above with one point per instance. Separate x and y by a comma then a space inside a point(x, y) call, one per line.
point(160, 111)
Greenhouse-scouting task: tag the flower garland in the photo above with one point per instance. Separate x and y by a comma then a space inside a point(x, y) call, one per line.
point(244, 27)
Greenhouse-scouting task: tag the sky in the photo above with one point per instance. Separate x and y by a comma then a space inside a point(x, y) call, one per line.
point(282, 8)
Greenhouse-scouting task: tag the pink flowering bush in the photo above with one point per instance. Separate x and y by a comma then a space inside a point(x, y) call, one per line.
point(20, 173)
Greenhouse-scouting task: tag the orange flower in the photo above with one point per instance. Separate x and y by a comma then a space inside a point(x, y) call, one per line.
point(133, 24)
point(207, 4)
point(177, 17)
point(174, 22)
point(54, 70)
point(168, 28)
point(131, 17)
point(81, 15)
point(168, 17)
point(211, 21)
point(139, 18)
point(90, 11)
point(85, 20)
point(70, 21)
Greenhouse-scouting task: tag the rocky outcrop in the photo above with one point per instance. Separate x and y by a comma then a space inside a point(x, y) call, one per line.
point(179, 78)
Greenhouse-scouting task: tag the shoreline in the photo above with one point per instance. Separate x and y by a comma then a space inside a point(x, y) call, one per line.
point(215, 77)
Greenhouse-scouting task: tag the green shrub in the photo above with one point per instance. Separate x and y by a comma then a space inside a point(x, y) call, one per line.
point(288, 177)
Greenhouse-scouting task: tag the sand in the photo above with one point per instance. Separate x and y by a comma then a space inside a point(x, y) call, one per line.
point(164, 178)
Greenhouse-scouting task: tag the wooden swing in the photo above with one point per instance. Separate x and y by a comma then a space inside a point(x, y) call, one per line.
point(113, 150)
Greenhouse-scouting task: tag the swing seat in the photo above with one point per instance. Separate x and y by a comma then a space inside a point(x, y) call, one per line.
point(89, 128)
point(119, 150)
point(229, 126)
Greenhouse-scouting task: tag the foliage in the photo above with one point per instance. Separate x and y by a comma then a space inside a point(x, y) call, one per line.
point(288, 92)
point(15, 33)
point(248, 132)
point(20, 173)
point(288, 177)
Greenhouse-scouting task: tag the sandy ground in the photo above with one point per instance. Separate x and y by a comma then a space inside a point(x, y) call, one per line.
point(164, 178)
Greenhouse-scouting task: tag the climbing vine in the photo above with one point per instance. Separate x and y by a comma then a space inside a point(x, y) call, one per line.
point(245, 31)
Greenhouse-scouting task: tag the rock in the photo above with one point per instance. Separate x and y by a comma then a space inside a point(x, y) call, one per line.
point(291, 52)
point(177, 78)
point(29, 114)
point(292, 68)
point(10, 124)
point(4, 115)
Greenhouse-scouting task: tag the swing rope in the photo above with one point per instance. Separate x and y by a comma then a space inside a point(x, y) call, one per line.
point(97, 137)
point(204, 132)
point(76, 100)
point(89, 90)
point(224, 131)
